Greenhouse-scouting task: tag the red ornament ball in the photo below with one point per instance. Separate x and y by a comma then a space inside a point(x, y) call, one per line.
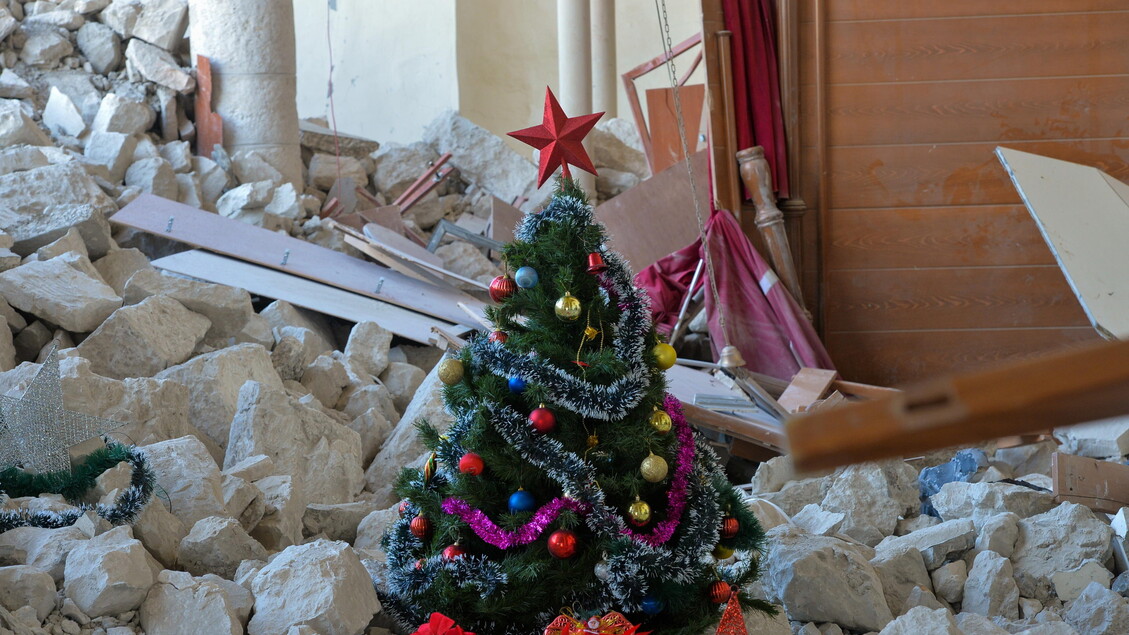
point(404, 508)
point(502, 287)
point(543, 420)
point(729, 527)
point(562, 544)
point(420, 526)
point(453, 551)
point(471, 464)
point(720, 592)
point(499, 337)
point(419, 564)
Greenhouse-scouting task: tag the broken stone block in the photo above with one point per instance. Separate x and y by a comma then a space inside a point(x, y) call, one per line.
point(179, 156)
point(160, 531)
point(1098, 610)
point(337, 521)
point(321, 584)
point(7, 349)
point(901, 572)
point(373, 428)
point(398, 166)
point(44, 46)
point(217, 545)
point(281, 525)
point(990, 589)
point(768, 514)
point(468, 261)
point(162, 23)
point(101, 47)
point(937, 544)
point(8, 23)
point(615, 144)
point(68, 242)
point(252, 468)
point(190, 192)
point(371, 529)
point(823, 579)
point(1031, 458)
point(873, 496)
point(402, 381)
point(243, 501)
point(179, 604)
point(324, 170)
point(213, 381)
point(108, 574)
point(118, 266)
point(999, 533)
point(228, 308)
point(1069, 584)
point(481, 157)
point(17, 128)
point(57, 17)
point(301, 441)
point(325, 378)
point(611, 183)
point(44, 549)
point(795, 495)
point(54, 291)
point(61, 116)
point(923, 621)
point(23, 585)
point(246, 197)
point(1105, 439)
point(980, 501)
point(250, 167)
point(158, 66)
point(154, 176)
point(1059, 540)
point(117, 114)
point(42, 203)
point(114, 150)
point(161, 332)
point(12, 86)
point(20, 159)
point(368, 347)
point(948, 581)
point(189, 476)
point(281, 314)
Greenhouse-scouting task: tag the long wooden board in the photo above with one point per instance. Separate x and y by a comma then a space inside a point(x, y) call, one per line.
point(1070, 387)
point(684, 383)
point(304, 293)
point(201, 229)
point(1100, 485)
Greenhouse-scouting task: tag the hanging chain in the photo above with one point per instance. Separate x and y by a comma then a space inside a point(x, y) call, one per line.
point(668, 47)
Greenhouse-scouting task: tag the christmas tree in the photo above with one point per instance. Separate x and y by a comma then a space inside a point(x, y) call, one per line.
point(569, 480)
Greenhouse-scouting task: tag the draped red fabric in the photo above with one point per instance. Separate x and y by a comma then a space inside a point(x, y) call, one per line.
point(756, 83)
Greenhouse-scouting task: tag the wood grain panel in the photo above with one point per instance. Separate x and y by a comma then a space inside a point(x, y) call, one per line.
point(839, 10)
point(1008, 110)
point(964, 298)
point(935, 237)
point(892, 359)
point(959, 174)
point(979, 48)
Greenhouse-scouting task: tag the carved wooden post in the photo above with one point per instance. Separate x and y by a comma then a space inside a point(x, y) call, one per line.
point(770, 220)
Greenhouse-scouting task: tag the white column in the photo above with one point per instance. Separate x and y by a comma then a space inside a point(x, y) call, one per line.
point(574, 68)
point(603, 57)
point(251, 46)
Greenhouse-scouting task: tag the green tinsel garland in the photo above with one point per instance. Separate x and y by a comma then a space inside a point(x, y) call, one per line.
point(71, 485)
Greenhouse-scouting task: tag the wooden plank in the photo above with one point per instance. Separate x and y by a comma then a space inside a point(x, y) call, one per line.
point(957, 112)
point(1084, 216)
point(399, 253)
point(1000, 235)
point(988, 47)
point(503, 220)
point(304, 293)
point(209, 125)
point(943, 298)
point(893, 358)
point(656, 217)
point(292, 255)
point(894, 9)
point(666, 145)
point(808, 386)
point(1103, 486)
point(1062, 389)
point(684, 383)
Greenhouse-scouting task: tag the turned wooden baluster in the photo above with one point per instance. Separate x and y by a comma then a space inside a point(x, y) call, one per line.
point(769, 219)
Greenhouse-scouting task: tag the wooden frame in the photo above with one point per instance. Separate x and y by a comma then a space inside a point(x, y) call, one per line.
point(646, 67)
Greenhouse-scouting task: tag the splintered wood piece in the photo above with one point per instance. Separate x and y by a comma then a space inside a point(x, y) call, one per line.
point(421, 182)
point(209, 125)
point(305, 293)
point(504, 219)
point(808, 386)
point(1102, 486)
point(344, 191)
point(213, 232)
point(1081, 384)
point(831, 401)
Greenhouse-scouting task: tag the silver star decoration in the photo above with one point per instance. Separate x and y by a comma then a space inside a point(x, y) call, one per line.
point(36, 430)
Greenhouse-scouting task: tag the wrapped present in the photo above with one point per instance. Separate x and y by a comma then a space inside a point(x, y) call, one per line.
point(440, 624)
point(611, 624)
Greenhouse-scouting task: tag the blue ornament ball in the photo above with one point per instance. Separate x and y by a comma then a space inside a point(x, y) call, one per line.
point(517, 385)
point(652, 605)
point(522, 501)
point(526, 277)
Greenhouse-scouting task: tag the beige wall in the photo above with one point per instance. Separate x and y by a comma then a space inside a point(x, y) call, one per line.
point(399, 62)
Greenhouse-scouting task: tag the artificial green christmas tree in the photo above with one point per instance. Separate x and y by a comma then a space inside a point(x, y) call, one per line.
point(569, 480)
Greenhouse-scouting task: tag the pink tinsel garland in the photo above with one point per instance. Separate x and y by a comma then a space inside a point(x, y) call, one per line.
point(495, 535)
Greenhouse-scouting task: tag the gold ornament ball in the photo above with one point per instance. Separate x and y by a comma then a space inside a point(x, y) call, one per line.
point(450, 371)
point(640, 512)
point(660, 421)
point(568, 307)
point(653, 468)
point(721, 552)
point(665, 355)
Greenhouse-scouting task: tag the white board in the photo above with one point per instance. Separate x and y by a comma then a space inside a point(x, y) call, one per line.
point(1083, 214)
point(304, 293)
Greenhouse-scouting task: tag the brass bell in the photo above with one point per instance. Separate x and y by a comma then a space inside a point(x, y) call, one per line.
point(731, 357)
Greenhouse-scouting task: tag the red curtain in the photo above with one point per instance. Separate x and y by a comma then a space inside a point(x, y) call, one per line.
point(756, 83)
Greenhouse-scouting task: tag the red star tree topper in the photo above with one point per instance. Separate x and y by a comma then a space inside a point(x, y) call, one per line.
point(559, 139)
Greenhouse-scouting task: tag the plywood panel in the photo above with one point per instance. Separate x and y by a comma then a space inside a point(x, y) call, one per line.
point(948, 112)
point(935, 237)
point(893, 9)
point(966, 298)
point(890, 359)
point(979, 48)
point(957, 174)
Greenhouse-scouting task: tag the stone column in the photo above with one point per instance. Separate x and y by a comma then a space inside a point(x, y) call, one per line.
point(574, 68)
point(604, 91)
point(251, 46)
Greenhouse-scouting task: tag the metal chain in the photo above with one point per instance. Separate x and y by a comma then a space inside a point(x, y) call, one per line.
point(668, 47)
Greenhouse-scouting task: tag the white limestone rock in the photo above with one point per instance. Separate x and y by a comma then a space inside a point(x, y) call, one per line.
point(101, 47)
point(228, 308)
point(179, 604)
point(937, 544)
point(118, 114)
point(368, 347)
point(286, 203)
point(481, 157)
point(108, 574)
point(1098, 611)
point(948, 581)
point(112, 150)
point(247, 199)
point(467, 260)
point(158, 66)
point(338, 521)
point(873, 496)
point(12, 86)
point(923, 621)
point(243, 501)
point(973, 624)
point(325, 378)
point(998, 533)
point(61, 116)
point(213, 381)
point(45, 549)
point(160, 531)
point(117, 267)
point(189, 476)
point(901, 572)
point(24, 585)
point(1058, 540)
point(323, 170)
point(1069, 584)
point(16, 127)
point(44, 47)
point(398, 166)
point(979, 501)
point(41, 204)
point(372, 528)
point(256, 331)
point(160, 333)
point(823, 579)
point(217, 545)
point(250, 166)
point(609, 149)
point(162, 23)
point(990, 589)
point(402, 381)
point(793, 496)
point(56, 292)
point(373, 428)
point(321, 584)
point(768, 514)
point(153, 176)
point(611, 183)
point(814, 520)
point(281, 524)
point(20, 159)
